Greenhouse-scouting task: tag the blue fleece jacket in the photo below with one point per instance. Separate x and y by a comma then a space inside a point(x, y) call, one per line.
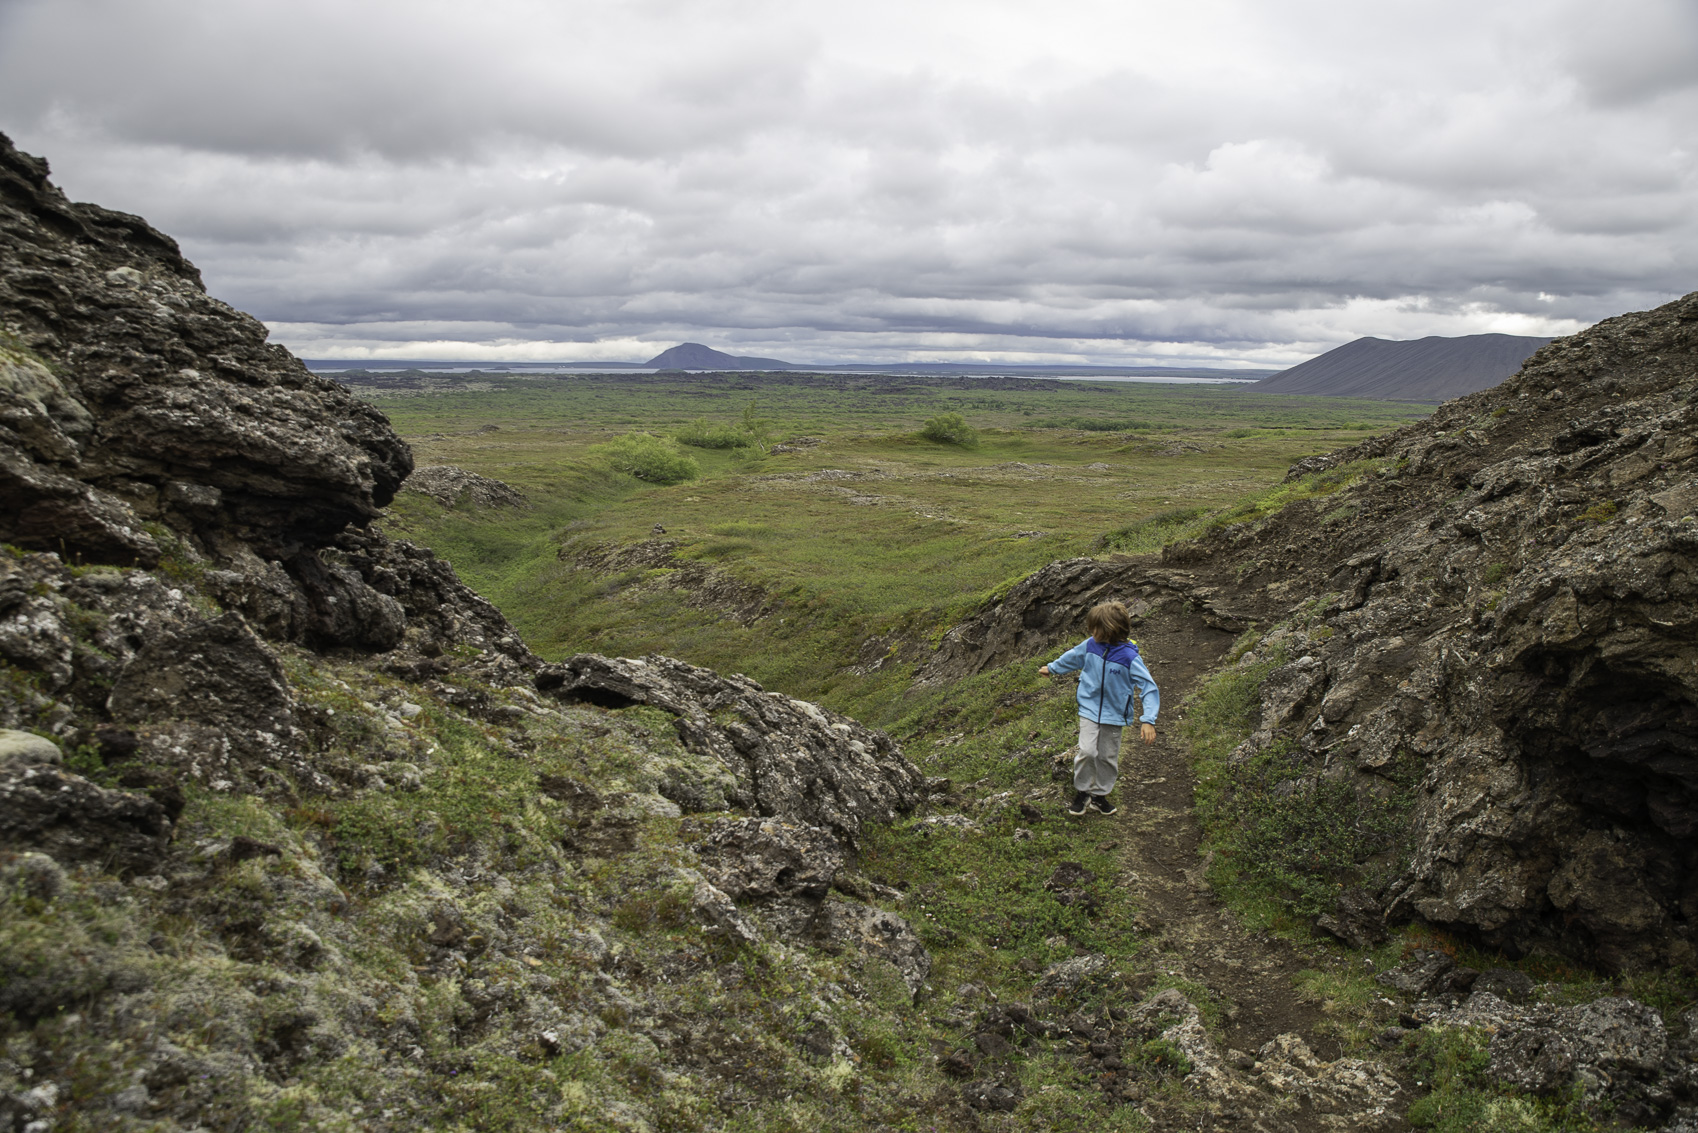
point(1108, 674)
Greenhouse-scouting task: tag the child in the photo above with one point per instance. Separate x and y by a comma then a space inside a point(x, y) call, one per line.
point(1109, 670)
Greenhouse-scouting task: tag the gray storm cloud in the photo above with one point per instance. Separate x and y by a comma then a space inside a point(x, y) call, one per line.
point(1234, 181)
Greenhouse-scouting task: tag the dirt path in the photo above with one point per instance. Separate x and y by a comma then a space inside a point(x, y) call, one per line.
point(1250, 974)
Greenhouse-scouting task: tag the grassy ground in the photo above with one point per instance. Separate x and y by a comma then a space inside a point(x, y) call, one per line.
point(874, 531)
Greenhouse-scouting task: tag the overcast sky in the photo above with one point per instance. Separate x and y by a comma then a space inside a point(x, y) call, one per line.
point(1211, 182)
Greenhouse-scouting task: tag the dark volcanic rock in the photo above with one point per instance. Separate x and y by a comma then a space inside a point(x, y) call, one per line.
point(213, 672)
point(1357, 919)
point(1419, 974)
point(762, 858)
point(64, 815)
point(1507, 984)
point(1510, 629)
point(1612, 1048)
point(127, 394)
point(793, 760)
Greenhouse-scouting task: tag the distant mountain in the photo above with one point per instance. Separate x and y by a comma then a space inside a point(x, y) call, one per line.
point(1425, 369)
point(695, 356)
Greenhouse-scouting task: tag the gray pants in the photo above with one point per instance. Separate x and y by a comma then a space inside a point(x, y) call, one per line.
point(1097, 761)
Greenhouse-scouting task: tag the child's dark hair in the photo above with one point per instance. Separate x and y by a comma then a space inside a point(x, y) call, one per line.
point(1109, 622)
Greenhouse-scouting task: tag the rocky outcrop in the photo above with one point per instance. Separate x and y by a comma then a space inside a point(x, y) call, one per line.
point(140, 415)
point(124, 375)
point(1490, 614)
point(456, 487)
point(1612, 1055)
point(1512, 623)
point(790, 759)
point(1047, 608)
point(279, 793)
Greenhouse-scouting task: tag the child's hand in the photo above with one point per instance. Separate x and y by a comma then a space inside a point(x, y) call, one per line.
point(1147, 732)
point(1043, 670)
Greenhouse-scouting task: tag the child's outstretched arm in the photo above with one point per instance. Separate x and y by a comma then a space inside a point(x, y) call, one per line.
point(1070, 661)
point(1150, 697)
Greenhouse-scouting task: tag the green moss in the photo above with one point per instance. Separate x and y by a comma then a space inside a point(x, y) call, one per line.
point(1452, 1062)
point(1156, 531)
point(1599, 513)
point(1285, 839)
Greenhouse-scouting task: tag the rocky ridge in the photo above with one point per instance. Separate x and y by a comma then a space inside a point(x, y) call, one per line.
point(295, 830)
point(1495, 604)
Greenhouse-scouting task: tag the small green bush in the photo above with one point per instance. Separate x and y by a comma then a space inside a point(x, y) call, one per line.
point(1599, 512)
point(1163, 1058)
point(648, 457)
point(700, 434)
point(950, 429)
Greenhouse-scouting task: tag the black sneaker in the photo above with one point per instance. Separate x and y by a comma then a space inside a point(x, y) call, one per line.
point(1077, 807)
point(1102, 803)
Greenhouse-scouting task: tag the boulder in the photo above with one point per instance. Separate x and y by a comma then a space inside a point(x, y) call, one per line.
point(456, 487)
point(1505, 983)
point(793, 760)
point(1419, 974)
point(65, 816)
point(719, 916)
point(215, 671)
point(27, 748)
point(754, 859)
point(1536, 1059)
point(1356, 919)
point(137, 397)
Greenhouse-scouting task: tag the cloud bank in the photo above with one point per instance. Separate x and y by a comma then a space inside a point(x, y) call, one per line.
point(1232, 182)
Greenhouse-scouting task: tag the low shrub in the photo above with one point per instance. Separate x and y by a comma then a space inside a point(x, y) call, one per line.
point(950, 429)
point(657, 460)
point(700, 434)
point(1096, 424)
point(1599, 512)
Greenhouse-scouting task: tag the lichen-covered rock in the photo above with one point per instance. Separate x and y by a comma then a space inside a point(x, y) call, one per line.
point(51, 810)
point(1344, 1095)
point(720, 916)
point(27, 748)
point(129, 395)
point(1614, 1050)
point(1419, 974)
point(453, 487)
point(753, 859)
point(876, 932)
point(1072, 977)
point(794, 760)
